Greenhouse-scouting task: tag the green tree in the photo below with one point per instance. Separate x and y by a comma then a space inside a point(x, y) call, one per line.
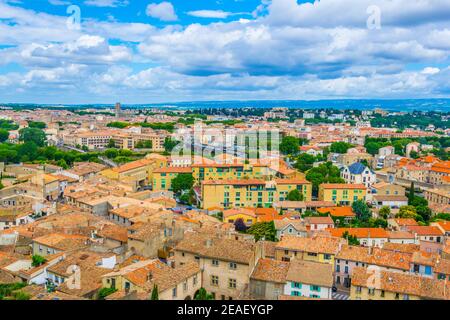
point(170, 144)
point(182, 182)
point(361, 210)
point(37, 124)
point(384, 212)
point(263, 230)
point(411, 193)
point(111, 153)
point(352, 240)
point(295, 195)
point(155, 295)
point(111, 144)
point(37, 260)
point(35, 135)
point(63, 164)
point(305, 162)
point(289, 145)
point(104, 292)
point(340, 147)
point(202, 294)
point(407, 212)
point(425, 212)
point(4, 135)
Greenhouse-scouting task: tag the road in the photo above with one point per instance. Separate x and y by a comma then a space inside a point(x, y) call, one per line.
point(340, 295)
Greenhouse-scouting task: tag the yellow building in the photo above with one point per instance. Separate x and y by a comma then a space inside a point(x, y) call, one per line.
point(252, 193)
point(137, 173)
point(162, 177)
point(389, 285)
point(237, 171)
point(341, 193)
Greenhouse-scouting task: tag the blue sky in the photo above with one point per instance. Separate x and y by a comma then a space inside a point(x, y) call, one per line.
point(183, 50)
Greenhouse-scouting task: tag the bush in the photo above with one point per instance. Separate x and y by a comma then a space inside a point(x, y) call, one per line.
point(104, 292)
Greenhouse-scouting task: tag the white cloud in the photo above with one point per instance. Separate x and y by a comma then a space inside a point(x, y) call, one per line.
point(106, 3)
point(216, 14)
point(163, 11)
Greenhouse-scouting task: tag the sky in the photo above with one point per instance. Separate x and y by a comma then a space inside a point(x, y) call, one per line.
point(148, 51)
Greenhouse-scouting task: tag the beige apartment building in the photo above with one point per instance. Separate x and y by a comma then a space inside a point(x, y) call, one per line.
point(226, 262)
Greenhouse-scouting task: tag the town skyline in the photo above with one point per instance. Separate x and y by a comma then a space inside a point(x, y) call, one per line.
point(92, 51)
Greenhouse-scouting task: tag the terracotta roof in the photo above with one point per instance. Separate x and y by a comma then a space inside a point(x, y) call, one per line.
point(319, 220)
point(360, 232)
point(222, 248)
point(400, 235)
point(328, 245)
point(337, 211)
point(402, 283)
point(375, 256)
point(308, 272)
point(270, 270)
point(406, 222)
point(62, 242)
point(425, 230)
point(401, 247)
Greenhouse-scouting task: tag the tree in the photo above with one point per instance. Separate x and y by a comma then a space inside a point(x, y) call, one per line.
point(62, 163)
point(425, 212)
point(202, 294)
point(340, 147)
point(352, 240)
point(155, 295)
point(289, 145)
point(37, 124)
point(411, 194)
point(182, 182)
point(294, 195)
point(324, 173)
point(361, 210)
point(4, 135)
point(384, 212)
point(37, 260)
point(240, 226)
point(111, 153)
point(111, 144)
point(104, 292)
point(35, 135)
point(305, 162)
point(263, 230)
point(170, 144)
point(28, 151)
point(407, 212)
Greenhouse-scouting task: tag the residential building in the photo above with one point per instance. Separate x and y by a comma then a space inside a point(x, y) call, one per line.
point(251, 192)
point(342, 194)
point(357, 173)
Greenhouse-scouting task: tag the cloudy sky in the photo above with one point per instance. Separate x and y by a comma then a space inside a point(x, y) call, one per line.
point(138, 51)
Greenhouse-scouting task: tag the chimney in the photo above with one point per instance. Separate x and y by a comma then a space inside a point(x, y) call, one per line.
point(208, 243)
point(149, 276)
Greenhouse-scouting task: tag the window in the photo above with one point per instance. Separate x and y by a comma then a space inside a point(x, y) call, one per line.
point(358, 289)
point(174, 292)
point(215, 263)
point(296, 285)
point(232, 283)
point(295, 293)
point(327, 256)
point(185, 286)
point(214, 280)
point(371, 291)
point(233, 266)
point(382, 293)
point(314, 288)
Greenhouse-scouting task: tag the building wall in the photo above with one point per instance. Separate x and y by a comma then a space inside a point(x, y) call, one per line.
point(265, 290)
point(227, 196)
point(342, 196)
point(362, 293)
point(224, 273)
point(307, 290)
